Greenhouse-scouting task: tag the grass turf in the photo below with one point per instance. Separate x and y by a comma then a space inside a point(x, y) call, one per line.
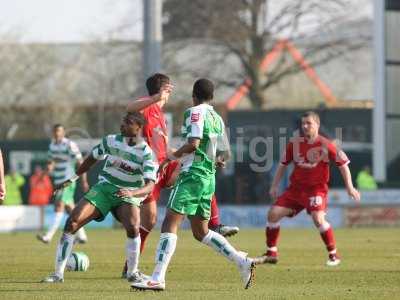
point(370, 268)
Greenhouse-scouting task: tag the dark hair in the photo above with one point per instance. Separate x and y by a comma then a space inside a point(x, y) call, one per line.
point(203, 90)
point(312, 114)
point(58, 125)
point(136, 117)
point(155, 82)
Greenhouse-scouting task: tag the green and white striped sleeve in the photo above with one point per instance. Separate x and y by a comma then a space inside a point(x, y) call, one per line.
point(101, 151)
point(150, 167)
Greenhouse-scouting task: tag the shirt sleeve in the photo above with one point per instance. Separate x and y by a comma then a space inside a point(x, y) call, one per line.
point(101, 151)
point(287, 156)
point(149, 165)
point(337, 155)
point(223, 141)
point(196, 123)
point(74, 151)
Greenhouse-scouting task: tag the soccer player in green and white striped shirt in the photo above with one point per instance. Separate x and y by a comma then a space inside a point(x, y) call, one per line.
point(63, 157)
point(127, 178)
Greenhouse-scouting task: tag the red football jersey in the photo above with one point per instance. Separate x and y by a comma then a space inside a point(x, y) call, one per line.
point(311, 160)
point(155, 131)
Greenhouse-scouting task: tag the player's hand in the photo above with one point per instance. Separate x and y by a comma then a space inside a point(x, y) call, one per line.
point(125, 193)
point(273, 192)
point(354, 194)
point(164, 92)
point(220, 162)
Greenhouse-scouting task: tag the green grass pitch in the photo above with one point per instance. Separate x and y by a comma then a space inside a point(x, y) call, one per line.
point(370, 268)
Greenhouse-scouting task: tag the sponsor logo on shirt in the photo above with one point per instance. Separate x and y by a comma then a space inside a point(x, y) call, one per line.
point(195, 117)
point(123, 166)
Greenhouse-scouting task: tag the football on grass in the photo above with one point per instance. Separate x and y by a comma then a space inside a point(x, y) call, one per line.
point(78, 261)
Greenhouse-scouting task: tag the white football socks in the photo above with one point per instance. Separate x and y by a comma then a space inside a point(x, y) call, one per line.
point(54, 226)
point(165, 250)
point(222, 246)
point(64, 250)
point(132, 254)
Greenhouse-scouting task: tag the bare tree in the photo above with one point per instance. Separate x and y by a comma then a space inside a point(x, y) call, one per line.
point(43, 84)
point(246, 30)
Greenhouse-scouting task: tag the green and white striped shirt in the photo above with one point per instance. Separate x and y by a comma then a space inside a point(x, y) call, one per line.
point(203, 122)
point(126, 166)
point(64, 155)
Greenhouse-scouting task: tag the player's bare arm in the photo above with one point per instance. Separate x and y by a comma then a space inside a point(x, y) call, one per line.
point(139, 105)
point(273, 191)
point(2, 182)
point(346, 174)
point(141, 192)
point(189, 147)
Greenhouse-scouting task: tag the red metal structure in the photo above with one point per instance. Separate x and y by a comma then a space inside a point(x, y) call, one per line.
point(270, 57)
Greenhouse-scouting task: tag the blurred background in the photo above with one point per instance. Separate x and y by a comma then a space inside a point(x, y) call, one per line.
point(79, 63)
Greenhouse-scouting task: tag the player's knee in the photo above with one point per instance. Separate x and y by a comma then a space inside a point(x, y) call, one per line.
point(318, 220)
point(132, 230)
point(59, 206)
point(72, 225)
point(68, 209)
point(151, 221)
point(273, 216)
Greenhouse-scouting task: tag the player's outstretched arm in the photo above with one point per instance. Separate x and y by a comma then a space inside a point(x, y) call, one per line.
point(139, 105)
point(273, 191)
point(2, 182)
point(348, 182)
point(190, 146)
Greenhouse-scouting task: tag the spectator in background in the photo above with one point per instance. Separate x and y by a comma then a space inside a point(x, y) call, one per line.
point(365, 181)
point(40, 187)
point(40, 190)
point(2, 181)
point(14, 182)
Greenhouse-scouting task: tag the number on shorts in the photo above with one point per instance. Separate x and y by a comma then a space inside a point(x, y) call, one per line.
point(315, 201)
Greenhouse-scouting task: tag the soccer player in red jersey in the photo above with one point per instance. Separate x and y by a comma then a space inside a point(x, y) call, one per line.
point(155, 132)
point(308, 189)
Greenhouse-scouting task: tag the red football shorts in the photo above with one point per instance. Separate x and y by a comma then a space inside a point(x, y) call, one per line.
point(297, 199)
point(163, 180)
